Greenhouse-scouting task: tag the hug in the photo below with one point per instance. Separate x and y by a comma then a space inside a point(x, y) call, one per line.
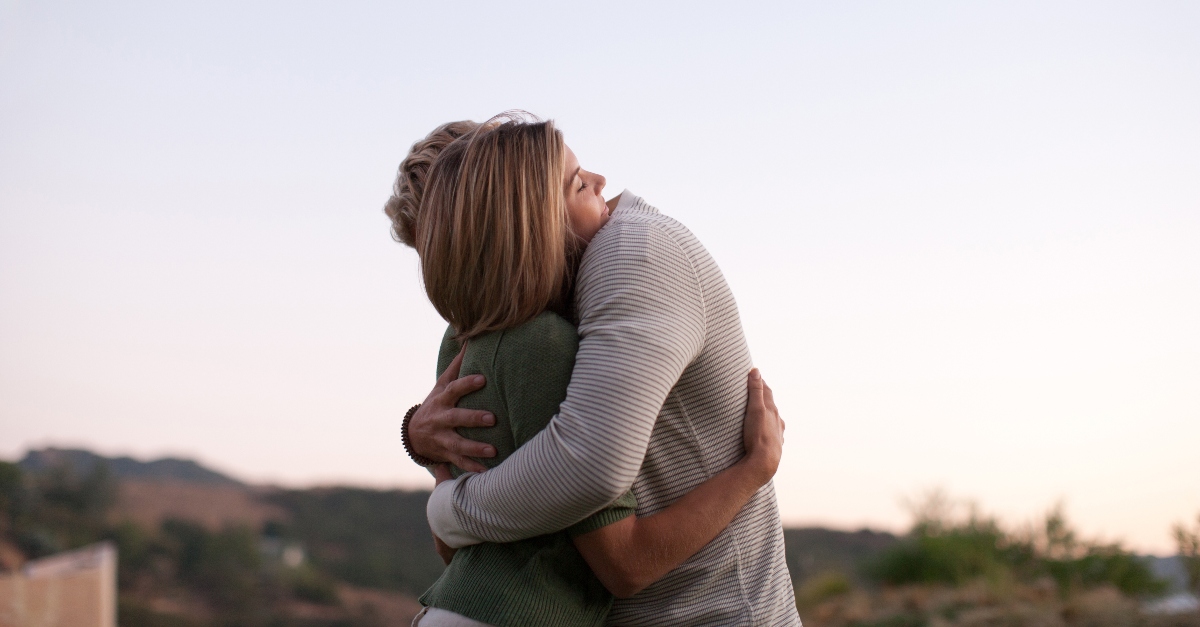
point(602, 445)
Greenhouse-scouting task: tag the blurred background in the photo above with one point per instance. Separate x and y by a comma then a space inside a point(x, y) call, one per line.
point(963, 239)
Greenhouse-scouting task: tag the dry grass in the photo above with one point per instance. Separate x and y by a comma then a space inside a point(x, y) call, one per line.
point(148, 503)
point(982, 604)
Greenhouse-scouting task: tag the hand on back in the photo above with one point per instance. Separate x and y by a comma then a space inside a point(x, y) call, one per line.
point(431, 429)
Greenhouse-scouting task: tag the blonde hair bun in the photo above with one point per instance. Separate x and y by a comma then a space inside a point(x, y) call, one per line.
point(404, 206)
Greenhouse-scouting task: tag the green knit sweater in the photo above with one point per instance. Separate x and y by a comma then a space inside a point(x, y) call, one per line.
point(542, 580)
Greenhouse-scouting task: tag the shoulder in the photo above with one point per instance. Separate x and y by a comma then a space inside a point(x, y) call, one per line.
point(447, 350)
point(546, 342)
point(641, 256)
point(547, 327)
point(641, 234)
point(643, 269)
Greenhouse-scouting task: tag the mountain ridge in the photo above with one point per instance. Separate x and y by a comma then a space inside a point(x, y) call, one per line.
point(84, 462)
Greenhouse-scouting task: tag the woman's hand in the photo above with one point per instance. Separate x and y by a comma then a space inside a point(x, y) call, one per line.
point(762, 431)
point(431, 430)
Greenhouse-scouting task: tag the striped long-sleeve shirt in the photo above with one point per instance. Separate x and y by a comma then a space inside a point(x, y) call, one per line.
point(656, 401)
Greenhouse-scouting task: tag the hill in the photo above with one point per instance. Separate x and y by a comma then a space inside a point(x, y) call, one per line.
point(199, 548)
point(83, 463)
point(815, 551)
point(365, 537)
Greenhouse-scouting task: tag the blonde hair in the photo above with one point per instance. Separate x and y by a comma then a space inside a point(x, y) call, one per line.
point(492, 229)
point(404, 205)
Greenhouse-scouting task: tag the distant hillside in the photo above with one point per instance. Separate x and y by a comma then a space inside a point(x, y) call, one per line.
point(84, 462)
point(213, 506)
point(350, 530)
point(200, 549)
point(813, 551)
point(371, 538)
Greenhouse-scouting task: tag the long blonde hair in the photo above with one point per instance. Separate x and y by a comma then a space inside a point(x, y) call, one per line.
point(492, 229)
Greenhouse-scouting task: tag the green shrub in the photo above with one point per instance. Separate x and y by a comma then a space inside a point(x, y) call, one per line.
point(135, 550)
point(943, 548)
point(224, 566)
point(10, 492)
point(1102, 565)
point(56, 510)
point(369, 538)
point(821, 588)
point(309, 584)
point(943, 551)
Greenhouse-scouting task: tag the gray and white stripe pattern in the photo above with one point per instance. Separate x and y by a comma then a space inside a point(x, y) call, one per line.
point(656, 401)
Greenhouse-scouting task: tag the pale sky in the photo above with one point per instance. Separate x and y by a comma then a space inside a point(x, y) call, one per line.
point(964, 237)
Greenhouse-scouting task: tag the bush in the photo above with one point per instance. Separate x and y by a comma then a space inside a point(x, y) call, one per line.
point(56, 510)
point(952, 556)
point(10, 492)
point(943, 549)
point(822, 588)
point(370, 538)
point(308, 584)
point(1105, 565)
point(224, 566)
point(949, 549)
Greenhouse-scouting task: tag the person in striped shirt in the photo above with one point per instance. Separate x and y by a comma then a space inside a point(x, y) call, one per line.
point(654, 404)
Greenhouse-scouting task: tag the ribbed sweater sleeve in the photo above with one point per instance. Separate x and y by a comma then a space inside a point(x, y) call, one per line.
point(642, 321)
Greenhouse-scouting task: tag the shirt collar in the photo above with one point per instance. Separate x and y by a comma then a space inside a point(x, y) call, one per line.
point(628, 201)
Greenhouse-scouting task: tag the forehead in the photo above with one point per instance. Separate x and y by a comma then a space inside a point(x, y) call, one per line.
point(571, 163)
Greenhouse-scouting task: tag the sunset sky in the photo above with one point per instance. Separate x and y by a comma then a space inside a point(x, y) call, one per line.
point(964, 237)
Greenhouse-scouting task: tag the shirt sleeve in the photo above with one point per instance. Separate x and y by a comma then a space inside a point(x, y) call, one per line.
point(618, 510)
point(642, 323)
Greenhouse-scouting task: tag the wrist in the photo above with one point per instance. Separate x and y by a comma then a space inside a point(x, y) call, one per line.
point(406, 439)
point(755, 470)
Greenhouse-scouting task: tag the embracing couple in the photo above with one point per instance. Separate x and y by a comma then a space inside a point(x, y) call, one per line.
point(603, 450)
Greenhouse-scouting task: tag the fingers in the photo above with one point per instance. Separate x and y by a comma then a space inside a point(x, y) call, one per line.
point(451, 372)
point(460, 451)
point(755, 378)
point(470, 418)
point(769, 397)
point(754, 398)
point(467, 464)
point(471, 448)
point(459, 388)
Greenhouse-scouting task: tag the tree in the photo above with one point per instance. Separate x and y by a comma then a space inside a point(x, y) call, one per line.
point(1188, 542)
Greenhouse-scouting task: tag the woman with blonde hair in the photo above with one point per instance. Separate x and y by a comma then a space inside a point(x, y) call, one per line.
point(500, 215)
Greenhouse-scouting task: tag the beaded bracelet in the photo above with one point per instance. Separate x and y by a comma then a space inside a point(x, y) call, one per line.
point(421, 460)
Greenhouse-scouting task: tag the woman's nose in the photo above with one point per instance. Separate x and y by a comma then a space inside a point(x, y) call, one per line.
point(600, 181)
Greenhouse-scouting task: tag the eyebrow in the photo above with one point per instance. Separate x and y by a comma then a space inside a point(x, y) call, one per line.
point(572, 177)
